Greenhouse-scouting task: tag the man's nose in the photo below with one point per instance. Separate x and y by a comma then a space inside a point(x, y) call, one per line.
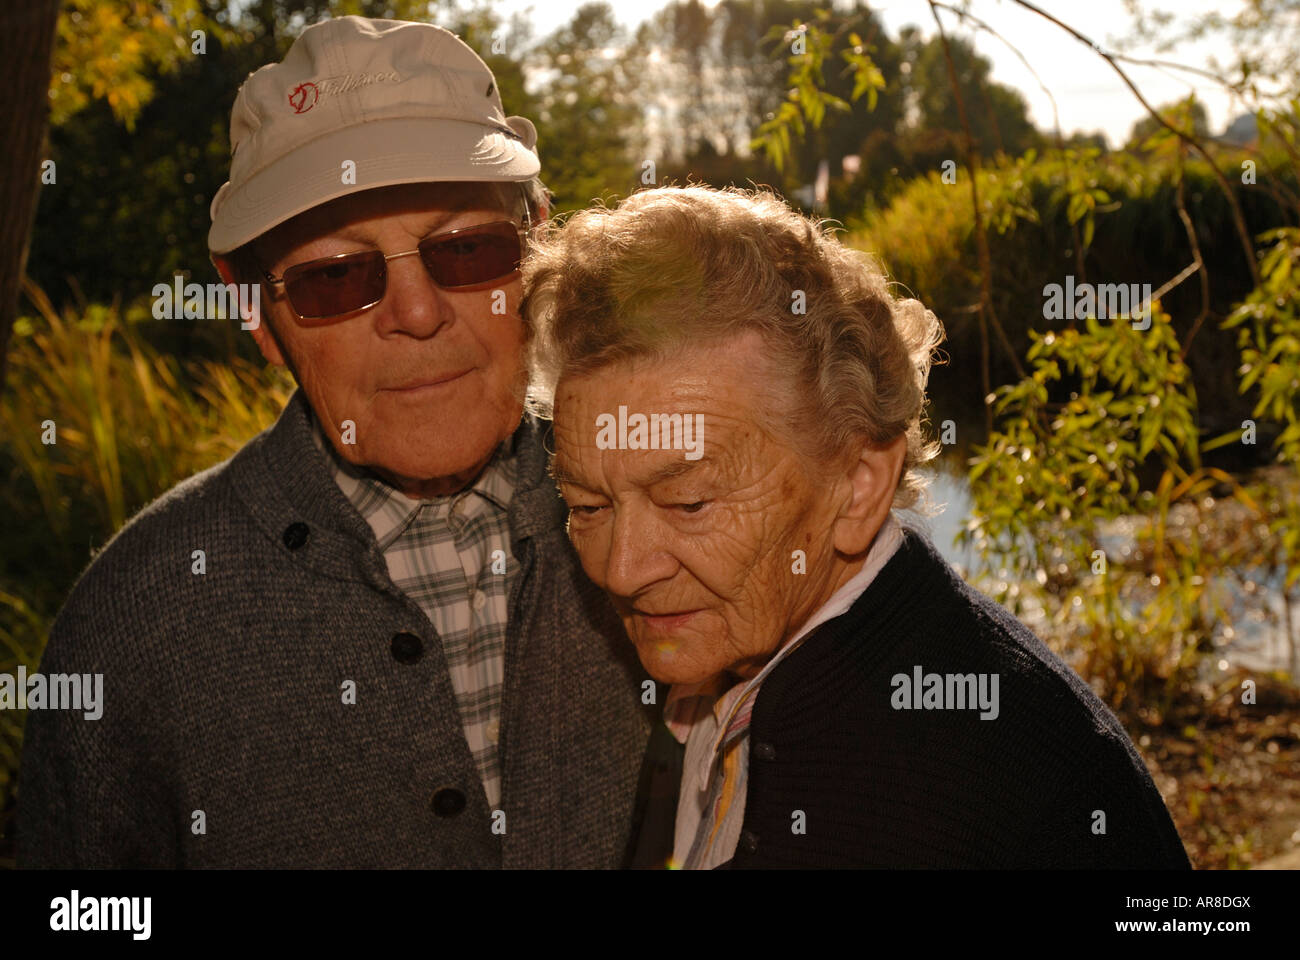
point(639, 554)
point(413, 303)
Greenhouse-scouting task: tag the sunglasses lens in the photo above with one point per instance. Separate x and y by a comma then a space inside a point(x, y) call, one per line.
point(473, 256)
point(335, 287)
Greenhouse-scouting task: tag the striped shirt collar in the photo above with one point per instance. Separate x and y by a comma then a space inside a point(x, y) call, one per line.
point(389, 512)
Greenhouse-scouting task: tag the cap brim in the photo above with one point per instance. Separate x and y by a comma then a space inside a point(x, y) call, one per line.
point(385, 153)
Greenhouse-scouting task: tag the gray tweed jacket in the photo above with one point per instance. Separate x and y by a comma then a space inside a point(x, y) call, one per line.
point(225, 740)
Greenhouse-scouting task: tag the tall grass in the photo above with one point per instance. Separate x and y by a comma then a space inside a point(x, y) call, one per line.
point(128, 422)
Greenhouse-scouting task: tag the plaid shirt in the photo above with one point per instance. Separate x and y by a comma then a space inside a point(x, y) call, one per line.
point(439, 553)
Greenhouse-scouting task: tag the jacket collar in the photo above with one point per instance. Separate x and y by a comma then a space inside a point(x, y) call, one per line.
point(283, 478)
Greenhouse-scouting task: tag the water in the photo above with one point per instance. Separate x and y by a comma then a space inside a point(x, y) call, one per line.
point(1256, 640)
point(950, 489)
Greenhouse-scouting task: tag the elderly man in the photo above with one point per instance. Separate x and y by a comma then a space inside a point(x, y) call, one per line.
point(364, 640)
point(737, 403)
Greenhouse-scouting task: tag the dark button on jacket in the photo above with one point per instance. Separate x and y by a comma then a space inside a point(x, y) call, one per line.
point(407, 648)
point(295, 535)
point(448, 802)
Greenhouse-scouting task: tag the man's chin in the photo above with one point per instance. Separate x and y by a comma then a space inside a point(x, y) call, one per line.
point(423, 459)
point(411, 452)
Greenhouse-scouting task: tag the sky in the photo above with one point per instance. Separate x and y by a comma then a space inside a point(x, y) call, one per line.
point(1089, 94)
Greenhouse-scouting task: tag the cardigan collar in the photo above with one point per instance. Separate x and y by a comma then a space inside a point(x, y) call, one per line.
point(284, 478)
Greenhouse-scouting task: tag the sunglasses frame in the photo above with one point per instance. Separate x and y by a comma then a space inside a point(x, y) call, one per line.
point(523, 232)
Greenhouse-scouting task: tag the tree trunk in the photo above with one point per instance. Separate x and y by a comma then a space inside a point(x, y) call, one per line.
point(27, 31)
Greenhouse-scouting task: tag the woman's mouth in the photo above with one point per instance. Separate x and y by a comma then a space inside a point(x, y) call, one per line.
point(664, 621)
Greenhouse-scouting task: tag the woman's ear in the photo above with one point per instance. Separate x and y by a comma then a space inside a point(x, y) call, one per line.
point(872, 478)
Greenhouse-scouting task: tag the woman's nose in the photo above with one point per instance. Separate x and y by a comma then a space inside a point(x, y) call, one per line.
point(639, 553)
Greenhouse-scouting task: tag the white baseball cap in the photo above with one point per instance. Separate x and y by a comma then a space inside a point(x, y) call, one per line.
point(404, 102)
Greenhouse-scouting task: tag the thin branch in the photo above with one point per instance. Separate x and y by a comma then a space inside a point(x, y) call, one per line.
point(982, 25)
point(1171, 65)
point(1079, 266)
point(985, 381)
point(1199, 264)
point(1238, 217)
point(1285, 199)
point(981, 240)
point(1175, 281)
point(1283, 139)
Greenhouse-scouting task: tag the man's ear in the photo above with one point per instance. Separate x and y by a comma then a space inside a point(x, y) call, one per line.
point(224, 267)
point(261, 328)
point(870, 480)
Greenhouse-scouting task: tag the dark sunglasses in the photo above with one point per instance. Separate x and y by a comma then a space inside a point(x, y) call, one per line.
point(463, 260)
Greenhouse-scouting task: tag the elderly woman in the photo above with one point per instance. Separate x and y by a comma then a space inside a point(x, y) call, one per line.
point(737, 405)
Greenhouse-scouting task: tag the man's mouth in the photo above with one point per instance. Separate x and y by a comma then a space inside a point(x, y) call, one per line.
point(413, 387)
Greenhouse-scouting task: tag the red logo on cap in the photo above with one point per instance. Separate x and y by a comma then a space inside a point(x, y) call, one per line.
point(303, 97)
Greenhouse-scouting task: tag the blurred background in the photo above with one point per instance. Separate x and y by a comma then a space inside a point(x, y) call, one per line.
point(1131, 490)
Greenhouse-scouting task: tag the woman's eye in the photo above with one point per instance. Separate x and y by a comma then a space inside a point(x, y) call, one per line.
point(692, 507)
point(585, 510)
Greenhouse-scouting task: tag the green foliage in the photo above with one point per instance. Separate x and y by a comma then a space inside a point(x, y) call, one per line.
point(1268, 329)
point(1268, 326)
point(110, 49)
point(707, 77)
point(1187, 116)
point(695, 78)
point(998, 115)
point(1061, 478)
point(130, 422)
point(586, 113)
point(1076, 459)
point(1098, 217)
point(808, 100)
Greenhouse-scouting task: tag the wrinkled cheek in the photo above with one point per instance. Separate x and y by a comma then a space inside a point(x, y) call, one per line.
point(740, 572)
point(590, 555)
point(338, 387)
point(759, 599)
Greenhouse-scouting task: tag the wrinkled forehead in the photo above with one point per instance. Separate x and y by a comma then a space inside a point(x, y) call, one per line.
point(363, 212)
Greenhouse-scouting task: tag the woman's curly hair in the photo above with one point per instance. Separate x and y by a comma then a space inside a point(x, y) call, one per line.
point(676, 266)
